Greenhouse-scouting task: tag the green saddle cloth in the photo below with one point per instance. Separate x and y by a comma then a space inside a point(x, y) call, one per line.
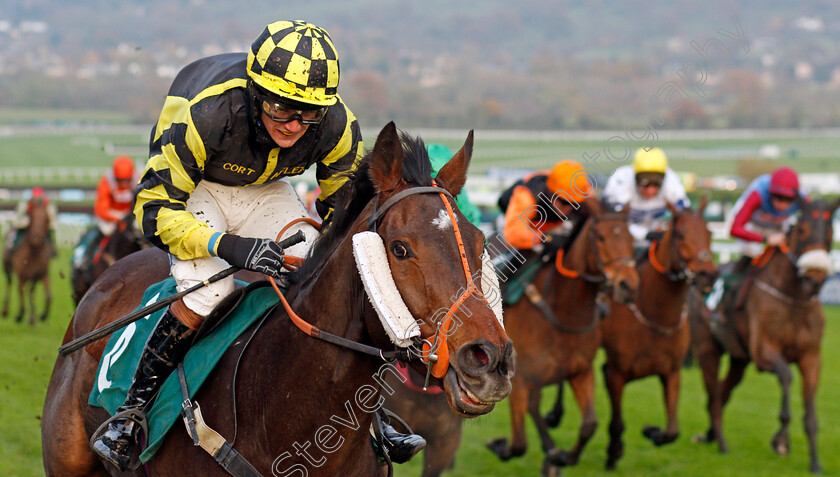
point(119, 360)
point(513, 290)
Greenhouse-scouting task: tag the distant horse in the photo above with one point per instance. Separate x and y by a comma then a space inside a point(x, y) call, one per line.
point(289, 383)
point(30, 263)
point(427, 413)
point(126, 240)
point(781, 322)
point(556, 331)
point(651, 336)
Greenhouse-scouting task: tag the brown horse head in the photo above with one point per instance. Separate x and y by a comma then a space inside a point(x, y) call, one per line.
point(810, 242)
point(691, 250)
point(612, 254)
point(435, 262)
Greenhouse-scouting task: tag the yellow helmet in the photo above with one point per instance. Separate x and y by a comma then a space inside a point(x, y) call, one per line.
point(295, 60)
point(653, 160)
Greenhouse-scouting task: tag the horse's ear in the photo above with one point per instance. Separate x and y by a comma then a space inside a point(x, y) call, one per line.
point(704, 201)
point(387, 159)
point(453, 174)
point(594, 207)
point(673, 208)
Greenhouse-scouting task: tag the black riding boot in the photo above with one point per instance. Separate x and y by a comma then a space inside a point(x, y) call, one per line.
point(399, 448)
point(165, 348)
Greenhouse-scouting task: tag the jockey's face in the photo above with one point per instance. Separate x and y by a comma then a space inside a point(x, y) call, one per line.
point(284, 134)
point(781, 203)
point(123, 183)
point(648, 184)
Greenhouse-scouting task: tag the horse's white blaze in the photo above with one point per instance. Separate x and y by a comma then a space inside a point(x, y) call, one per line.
point(442, 221)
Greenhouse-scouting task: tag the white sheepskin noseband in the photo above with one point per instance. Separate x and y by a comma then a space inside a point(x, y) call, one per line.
point(372, 263)
point(817, 259)
point(490, 288)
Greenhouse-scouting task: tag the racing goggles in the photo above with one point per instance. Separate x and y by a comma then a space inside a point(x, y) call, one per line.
point(646, 182)
point(281, 114)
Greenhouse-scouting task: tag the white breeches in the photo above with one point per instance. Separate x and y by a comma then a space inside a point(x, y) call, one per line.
point(259, 211)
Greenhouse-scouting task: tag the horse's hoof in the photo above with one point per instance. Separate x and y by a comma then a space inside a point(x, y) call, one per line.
point(549, 470)
point(654, 433)
point(500, 448)
point(816, 468)
point(781, 448)
point(561, 458)
point(552, 419)
point(610, 464)
point(701, 439)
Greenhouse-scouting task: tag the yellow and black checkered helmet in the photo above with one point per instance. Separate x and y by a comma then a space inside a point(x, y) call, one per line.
point(295, 60)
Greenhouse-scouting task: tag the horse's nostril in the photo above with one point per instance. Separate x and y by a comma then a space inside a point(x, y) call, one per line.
point(481, 356)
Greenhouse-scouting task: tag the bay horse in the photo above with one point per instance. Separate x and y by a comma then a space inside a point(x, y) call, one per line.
point(30, 263)
point(427, 413)
point(126, 240)
point(651, 336)
point(781, 322)
point(290, 388)
point(561, 346)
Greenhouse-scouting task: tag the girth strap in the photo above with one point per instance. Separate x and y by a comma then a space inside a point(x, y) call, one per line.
point(209, 440)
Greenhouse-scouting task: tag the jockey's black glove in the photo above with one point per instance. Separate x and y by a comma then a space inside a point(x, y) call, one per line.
point(655, 235)
point(554, 242)
point(255, 254)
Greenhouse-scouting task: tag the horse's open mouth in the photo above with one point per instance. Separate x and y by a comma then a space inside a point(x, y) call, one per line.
point(462, 400)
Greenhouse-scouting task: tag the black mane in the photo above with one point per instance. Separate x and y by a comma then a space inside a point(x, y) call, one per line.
point(354, 196)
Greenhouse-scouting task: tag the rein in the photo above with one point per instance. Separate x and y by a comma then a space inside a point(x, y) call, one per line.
point(662, 330)
point(783, 297)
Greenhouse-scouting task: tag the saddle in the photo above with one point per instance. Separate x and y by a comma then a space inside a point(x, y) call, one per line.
point(237, 313)
point(523, 275)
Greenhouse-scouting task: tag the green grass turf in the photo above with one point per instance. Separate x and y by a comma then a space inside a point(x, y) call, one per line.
point(27, 355)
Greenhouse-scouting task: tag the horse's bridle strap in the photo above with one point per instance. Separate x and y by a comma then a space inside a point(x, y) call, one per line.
point(379, 211)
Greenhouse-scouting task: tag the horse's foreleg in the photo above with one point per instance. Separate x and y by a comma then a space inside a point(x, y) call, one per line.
point(737, 367)
point(671, 393)
point(583, 385)
point(8, 293)
point(542, 427)
point(518, 409)
point(708, 356)
point(781, 441)
point(615, 386)
point(47, 298)
point(21, 300)
point(32, 310)
point(809, 366)
point(555, 415)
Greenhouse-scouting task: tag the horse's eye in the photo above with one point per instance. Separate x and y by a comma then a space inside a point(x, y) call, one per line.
point(400, 250)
